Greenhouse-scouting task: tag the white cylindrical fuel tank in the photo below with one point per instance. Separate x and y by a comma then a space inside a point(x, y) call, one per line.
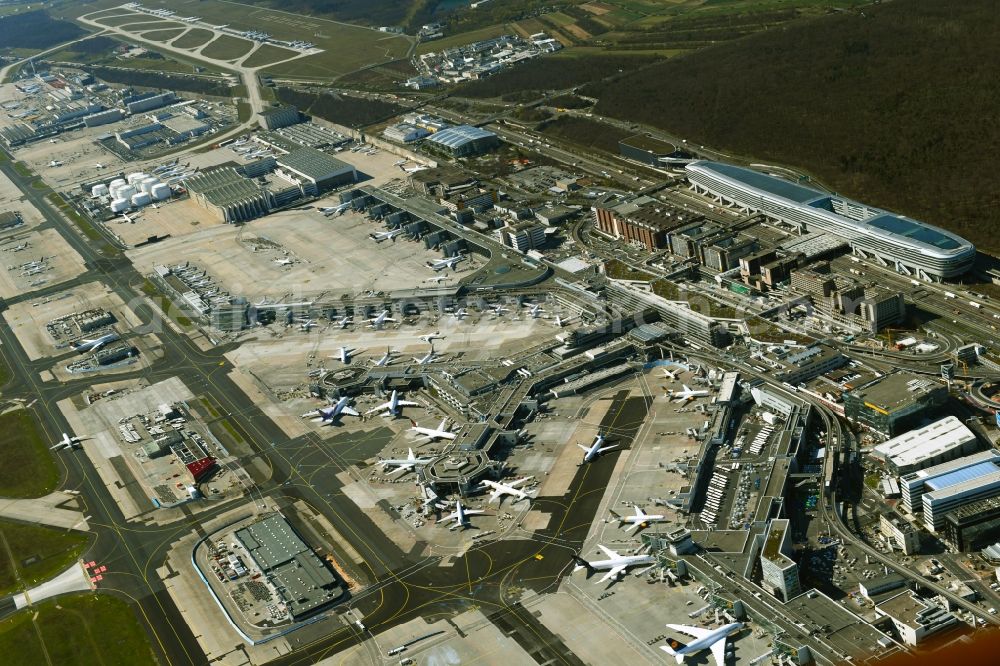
point(99, 190)
point(125, 191)
point(136, 177)
point(116, 183)
point(160, 191)
point(141, 199)
point(119, 205)
point(147, 184)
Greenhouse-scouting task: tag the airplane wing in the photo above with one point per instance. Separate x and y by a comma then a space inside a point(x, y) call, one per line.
point(350, 411)
point(607, 551)
point(719, 651)
point(612, 573)
point(407, 403)
point(585, 449)
point(607, 448)
point(633, 526)
point(381, 408)
point(694, 632)
point(472, 512)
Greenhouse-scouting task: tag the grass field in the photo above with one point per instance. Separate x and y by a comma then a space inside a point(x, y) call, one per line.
point(36, 554)
point(193, 39)
point(28, 469)
point(227, 48)
point(162, 35)
point(76, 629)
point(268, 54)
point(346, 48)
point(5, 374)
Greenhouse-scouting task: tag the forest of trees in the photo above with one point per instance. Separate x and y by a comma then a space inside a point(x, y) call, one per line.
point(149, 79)
point(36, 30)
point(553, 72)
point(895, 104)
point(344, 110)
point(585, 133)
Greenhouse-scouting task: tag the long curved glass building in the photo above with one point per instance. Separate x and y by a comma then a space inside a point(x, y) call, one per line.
point(908, 245)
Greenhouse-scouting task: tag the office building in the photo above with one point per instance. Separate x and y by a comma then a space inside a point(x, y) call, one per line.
point(924, 447)
point(276, 117)
point(809, 363)
point(464, 141)
point(780, 572)
point(973, 526)
point(641, 220)
point(913, 485)
point(315, 171)
point(894, 403)
point(913, 618)
point(910, 245)
point(304, 582)
point(957, 489)
point(904, 535)
point(675, 315)
point(881, 308)
point(523, 236)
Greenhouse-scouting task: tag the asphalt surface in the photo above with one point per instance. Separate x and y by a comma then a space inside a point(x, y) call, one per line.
point(490, 576)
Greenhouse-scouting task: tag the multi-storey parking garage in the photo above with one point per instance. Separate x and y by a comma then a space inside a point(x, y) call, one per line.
point(909, 245)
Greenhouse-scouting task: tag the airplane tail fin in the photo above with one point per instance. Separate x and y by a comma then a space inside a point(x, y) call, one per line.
point(671, 649)
point(583, 564)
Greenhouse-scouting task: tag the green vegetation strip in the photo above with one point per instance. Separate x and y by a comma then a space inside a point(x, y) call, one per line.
point(31, 554)
point(76, 629)
point(165, 304)
point(28, 469)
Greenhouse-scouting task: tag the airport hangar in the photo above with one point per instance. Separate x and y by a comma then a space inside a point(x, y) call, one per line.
point(909, 245)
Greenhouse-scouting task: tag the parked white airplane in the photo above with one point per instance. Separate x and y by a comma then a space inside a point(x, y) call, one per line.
point(284, 262)
point(16, 248)
point(671, 375)
point(344, 354)
point(592, 452)
point(94, 344)
point(333, 210)
point(640, 519)
point(460, 515)
point(424, 360)
point(686, 394)
point(715, 640)
point(499, 309)
point(391, 408)
point(433, 433)
point(448, 263)
point(438, 279)
point(328, 415)
point(615, 565)
point(405, 464)
point(501, 489)
point(385, 235)
point(307, 325)
point(344, 322)
point(378, 321)
point(536, 311)
point(431, 337)
point(385, 360)
point(460, 314)
point(67, 442)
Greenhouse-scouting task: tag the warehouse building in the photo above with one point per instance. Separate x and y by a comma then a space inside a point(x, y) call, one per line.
point(281, 116)
point(404, 133)
point(315, 171)
point(229, 195)
point(299, 575)
point(924, 447)
point(464, 141)
point(894, 403)
point(148, 103)
point(973, 526)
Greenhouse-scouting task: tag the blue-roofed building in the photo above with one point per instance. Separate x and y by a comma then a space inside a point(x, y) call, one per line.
point(909, 245)
point(915, 484)
point(957, 489)
point(464, 140)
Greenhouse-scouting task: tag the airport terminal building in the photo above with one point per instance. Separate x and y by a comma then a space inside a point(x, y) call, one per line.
point(910, 246)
